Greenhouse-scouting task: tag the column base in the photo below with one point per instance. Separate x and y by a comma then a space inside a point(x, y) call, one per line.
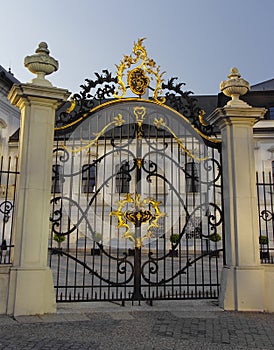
point(269, 287)
point(31, 292)
point(4, 287)
point(242, 288)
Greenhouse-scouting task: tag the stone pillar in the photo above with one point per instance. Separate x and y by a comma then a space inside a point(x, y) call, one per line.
point(31, 285)
point(242, 282)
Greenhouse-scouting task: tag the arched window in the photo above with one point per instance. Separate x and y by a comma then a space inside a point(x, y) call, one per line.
point(122, 177)
point(192, 178)
point(57, 179)
point(88, 178)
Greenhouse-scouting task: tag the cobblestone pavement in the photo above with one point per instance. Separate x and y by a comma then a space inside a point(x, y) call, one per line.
point(166, 325)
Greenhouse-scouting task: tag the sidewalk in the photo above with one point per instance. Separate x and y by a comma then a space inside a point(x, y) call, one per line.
point(165, 325)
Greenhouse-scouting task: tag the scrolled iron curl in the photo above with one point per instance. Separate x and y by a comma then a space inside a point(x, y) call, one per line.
point(63, 157)
point(122, 266)
point(56, 216)
point(152, 167)
point(153, 269)
point(212, 218)
point(266, 215)
point(209, 167)
point(6, 207)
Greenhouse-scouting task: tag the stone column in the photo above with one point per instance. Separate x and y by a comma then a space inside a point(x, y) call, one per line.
point(31, 285)
point(242, 282)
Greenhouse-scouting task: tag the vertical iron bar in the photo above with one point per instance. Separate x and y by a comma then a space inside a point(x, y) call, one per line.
point(137, 293)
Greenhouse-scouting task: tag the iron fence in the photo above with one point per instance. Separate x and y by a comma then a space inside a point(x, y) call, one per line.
point(8, 180)
point(265, 187)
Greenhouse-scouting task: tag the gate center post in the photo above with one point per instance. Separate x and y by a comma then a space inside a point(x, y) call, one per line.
point(137, 293)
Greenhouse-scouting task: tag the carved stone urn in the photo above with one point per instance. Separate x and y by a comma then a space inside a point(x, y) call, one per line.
point(235, 87)
point(41, 64)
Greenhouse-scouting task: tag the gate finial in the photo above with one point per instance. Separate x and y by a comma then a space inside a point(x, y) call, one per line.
point(235, 87)
point(41, 64)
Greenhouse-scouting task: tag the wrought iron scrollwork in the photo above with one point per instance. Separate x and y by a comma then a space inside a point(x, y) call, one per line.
point(212, 166)
point(143, 153)
point(184, 103)
point(214, 218)
point(93, 93)
point(61, 154)
point(123, 266)
point(267, 215)
point(6, 208)
point(100, 93)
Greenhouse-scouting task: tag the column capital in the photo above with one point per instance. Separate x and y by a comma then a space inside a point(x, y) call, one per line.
point(24, 94)
point(235, 115)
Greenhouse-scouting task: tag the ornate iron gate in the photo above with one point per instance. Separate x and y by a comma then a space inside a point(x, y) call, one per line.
point(136, 193)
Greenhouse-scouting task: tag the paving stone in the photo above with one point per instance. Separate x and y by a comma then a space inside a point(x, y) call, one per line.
point(144, 328)
point(121, 316)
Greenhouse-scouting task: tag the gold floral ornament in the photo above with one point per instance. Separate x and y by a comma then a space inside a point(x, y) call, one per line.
point(117, 121)
point(139, 215)
point(140, 76)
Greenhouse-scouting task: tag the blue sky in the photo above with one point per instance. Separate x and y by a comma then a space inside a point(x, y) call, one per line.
point(196, 40)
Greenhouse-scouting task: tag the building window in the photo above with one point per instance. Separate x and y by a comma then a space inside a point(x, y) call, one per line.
point(192, 178)
point(271, 113)
point(122, 178)
point(57, 179)
point(88, 178)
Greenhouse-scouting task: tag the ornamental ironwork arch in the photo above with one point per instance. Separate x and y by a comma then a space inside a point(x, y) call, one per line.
point(105, 86)
point(168, 155)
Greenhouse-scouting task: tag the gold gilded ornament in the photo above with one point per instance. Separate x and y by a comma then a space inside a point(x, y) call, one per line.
point(141, 75)
point(138, 81)
point(137, 216)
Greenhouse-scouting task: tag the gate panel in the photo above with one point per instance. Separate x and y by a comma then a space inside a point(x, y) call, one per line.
point(136, 207)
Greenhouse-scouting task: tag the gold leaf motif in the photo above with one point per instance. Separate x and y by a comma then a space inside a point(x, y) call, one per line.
point(119, 121)
point(159, 123)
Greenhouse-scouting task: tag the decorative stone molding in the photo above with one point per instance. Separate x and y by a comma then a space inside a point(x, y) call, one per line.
point(235, 87)
point(41, 64)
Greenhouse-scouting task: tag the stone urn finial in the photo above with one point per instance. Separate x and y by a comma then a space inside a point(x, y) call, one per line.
point(41, 64)
point(235, 87)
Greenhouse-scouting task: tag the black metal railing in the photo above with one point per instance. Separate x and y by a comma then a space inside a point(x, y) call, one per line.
point(8, 180)
point(265, 190)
